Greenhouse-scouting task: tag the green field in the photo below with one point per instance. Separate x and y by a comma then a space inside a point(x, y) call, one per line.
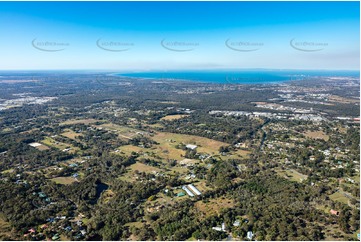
point(338, 196)
point(71, 134)
point(58, 145)
point(122, 131)
point(292, 175)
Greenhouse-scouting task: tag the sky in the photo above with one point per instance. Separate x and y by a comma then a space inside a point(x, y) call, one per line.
point(144, 36)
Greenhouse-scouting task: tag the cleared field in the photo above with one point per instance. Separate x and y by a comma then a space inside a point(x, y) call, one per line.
point(178, 169)
point(39, 146)
point(213, 207)
point(64, 180)
point(317, 135)
point(128, 149)
point(131, 176)
point(143, 168)
point(157, 125)
point(166, 149)
point(338, 99)
point(201, 186)
point(292, 175)
point(236, 155)
point(80, 121)
point(71, 134)
point(338, 196)
point(42, 147)
point(58, 145)
point(170, 140)
point(134, 224)
point(323, 208)
point(174, 117)
point(122, 131)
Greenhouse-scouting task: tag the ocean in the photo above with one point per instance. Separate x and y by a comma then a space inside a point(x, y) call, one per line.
point(239, 77)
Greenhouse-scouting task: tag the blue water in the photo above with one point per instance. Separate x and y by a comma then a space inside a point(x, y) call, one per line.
point(240, 77)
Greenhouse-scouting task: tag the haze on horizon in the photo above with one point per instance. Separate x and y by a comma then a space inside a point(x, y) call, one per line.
point(179, 35)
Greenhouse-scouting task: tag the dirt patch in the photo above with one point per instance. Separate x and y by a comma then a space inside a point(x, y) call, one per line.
point(174, 117)
point(317, 135)
point(213, 207)
point(65, 180)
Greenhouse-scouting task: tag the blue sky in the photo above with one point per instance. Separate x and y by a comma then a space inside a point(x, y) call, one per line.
point(195, 35)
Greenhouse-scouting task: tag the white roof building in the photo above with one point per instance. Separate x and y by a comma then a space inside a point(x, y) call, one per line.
point(35, 144)
point(188, 191)
point(194, 189)
point(249, 235)
point(190, 146)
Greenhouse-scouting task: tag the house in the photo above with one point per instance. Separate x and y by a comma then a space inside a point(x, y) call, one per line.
point(191, 147)
point(221, 229)
point(31, 230)
point(334, 212)
point(217, 228)
point(236, 223)
point(249, 235)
